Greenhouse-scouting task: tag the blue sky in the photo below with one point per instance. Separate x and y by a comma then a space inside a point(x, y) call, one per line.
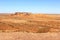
point(38, 6)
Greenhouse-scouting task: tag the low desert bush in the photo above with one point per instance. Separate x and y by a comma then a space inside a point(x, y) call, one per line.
point(43, 29)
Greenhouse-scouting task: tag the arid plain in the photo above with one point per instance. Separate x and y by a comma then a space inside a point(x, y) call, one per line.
point(29, 26)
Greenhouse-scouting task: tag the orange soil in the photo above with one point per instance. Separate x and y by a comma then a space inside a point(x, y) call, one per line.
point(30, 22)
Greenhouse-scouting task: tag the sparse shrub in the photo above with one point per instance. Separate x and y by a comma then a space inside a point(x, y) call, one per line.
point(43, 30)
point(3, 30)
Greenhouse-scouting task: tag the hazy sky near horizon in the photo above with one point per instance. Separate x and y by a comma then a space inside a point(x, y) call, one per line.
point(38, 6)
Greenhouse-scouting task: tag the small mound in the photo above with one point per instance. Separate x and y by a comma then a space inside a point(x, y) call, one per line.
point(22, 13)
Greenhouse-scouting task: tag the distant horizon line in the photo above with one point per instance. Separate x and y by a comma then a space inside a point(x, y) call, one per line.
point(31, 12)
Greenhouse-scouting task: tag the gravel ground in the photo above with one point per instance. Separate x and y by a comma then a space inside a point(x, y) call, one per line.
point(29, 36)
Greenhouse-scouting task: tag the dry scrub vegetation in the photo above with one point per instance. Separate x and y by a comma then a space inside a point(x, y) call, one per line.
point(28, 22)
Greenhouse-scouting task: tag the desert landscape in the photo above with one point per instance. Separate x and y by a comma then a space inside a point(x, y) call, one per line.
point(29, 22)
point(29, 26)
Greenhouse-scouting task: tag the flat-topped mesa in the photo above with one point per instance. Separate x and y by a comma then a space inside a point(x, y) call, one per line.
point(22, 13)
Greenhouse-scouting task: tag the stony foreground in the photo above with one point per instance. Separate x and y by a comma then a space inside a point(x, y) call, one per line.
point(29, 36)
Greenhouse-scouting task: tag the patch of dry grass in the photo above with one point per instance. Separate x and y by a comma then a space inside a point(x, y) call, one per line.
point(40, 23)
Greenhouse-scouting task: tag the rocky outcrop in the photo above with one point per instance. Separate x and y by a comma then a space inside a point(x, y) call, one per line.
point(22, 13)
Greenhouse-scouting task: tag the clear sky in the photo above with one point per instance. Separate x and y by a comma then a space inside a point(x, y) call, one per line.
point(40, 6)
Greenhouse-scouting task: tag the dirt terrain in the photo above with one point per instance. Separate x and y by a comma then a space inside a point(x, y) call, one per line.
point(29, 36)
point(29, 22)
point(29, 26)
